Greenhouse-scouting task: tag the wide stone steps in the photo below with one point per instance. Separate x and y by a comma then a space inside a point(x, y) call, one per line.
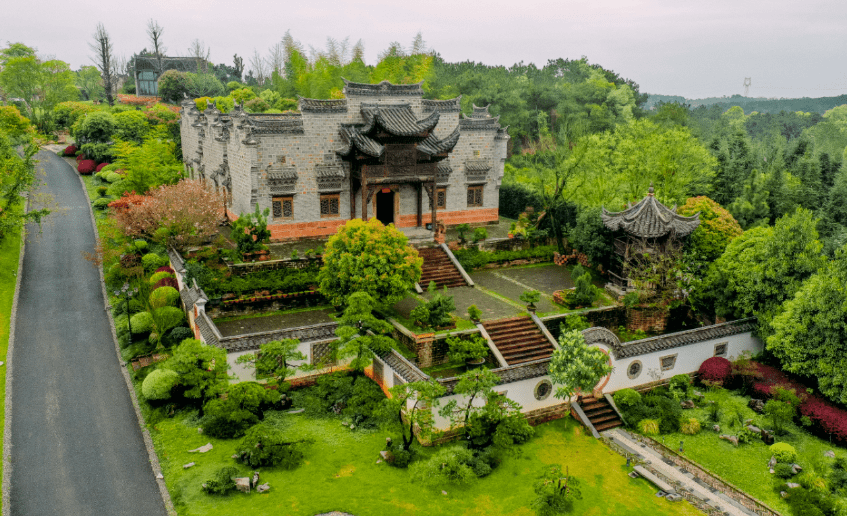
point(600, 413)
point(518, 339)
point(439, 268)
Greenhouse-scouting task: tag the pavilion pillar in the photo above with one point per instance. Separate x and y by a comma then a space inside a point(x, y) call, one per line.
point(364, 199)
point(420, 205)
point(434, 201)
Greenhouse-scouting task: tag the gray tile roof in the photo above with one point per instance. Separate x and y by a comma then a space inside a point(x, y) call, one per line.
point(358, 89)
point(683, 338)
point(404, 369)
point(650, 219)
point(480, 112)
point(323, 105)
point(479, 124)
point(189, 296)
point(252, 341)
point(508, 374)
point(398, 120)
point(432, 145)
point(442, 106)
point(353, 138)
point(204, 324)
point(477, 166)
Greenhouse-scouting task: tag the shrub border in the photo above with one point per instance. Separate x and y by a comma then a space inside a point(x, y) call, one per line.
point(145, 432)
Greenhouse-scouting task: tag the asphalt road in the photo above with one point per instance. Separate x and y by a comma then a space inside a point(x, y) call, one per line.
point(76, 445)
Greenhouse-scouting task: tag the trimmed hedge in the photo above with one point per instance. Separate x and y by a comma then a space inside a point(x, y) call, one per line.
point(473, 258)
point(715, 369)
point(86, 166)
point(101, 166)
point(70, 150)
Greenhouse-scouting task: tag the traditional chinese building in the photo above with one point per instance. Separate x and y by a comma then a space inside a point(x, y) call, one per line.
point(382, 151)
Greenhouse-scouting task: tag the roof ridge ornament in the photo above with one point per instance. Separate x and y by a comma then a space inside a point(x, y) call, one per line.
point(650, 190)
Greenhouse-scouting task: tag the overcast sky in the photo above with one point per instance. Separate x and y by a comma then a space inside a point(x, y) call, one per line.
point(789, 48)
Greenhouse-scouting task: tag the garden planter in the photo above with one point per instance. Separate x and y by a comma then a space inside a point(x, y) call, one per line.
point(474, 364)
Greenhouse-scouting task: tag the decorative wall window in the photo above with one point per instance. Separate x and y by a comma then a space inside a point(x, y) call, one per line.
point(476, 153)
point(282, 207)
point(398, 380)
point(668, 362)
point(634, 369)
point(543, 390)
point(720, 349)
point(330, 205)
point(475, 196)
point(440, 199)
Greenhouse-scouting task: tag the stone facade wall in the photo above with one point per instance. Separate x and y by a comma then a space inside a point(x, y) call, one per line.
point(246, 151)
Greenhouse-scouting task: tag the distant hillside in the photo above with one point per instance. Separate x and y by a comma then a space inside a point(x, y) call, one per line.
point(749, 104)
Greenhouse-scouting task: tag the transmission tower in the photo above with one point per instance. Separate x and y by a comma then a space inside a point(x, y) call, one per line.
point(747, 82)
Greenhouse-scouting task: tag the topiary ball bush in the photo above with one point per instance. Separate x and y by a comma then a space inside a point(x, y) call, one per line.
point(152, 261)
point(690, 426)
point(179, 334)
point(783, 452)
point(166, 268)
point(715, 369)
point(101, 203)
point(159, 275)
point(158, 384)
point(111, 177)
point(86, 166)
point(101, 166)
point(142, 322)
point(165, 296)
point(783, 470)
point(70, 150)
point(627, 398)
point(166, 282)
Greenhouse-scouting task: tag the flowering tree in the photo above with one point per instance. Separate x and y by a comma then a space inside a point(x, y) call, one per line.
point(369, 257)
point(575, 366)
point(177, 215)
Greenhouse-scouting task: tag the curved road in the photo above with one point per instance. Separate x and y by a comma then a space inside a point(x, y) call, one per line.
point(77, 448)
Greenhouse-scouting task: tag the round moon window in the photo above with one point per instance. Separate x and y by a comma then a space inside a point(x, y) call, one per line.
point(543, 390)
point(634, 369)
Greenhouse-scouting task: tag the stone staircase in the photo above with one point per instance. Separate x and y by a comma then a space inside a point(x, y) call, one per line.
point(438, 267)
point(518, 339)
point(600, 413)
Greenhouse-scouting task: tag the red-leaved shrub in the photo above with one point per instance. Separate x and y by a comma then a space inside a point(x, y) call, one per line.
point(830, 419)
point(166, 282)
point(166, 268)
point(80, 158)
point(715, 369)
point(86, 166)
point(127, 201)
point(101, 166)
point(771, 377)
point(70, 150)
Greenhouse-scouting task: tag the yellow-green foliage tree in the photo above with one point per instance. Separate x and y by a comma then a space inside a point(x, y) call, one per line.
point(716, 230)
point(369, 257)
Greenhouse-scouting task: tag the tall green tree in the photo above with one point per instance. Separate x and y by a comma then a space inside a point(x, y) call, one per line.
point(360, 333)
point(810, 334)
point(575, 366)
point(411, 405)
point(274, 359)
point(16, 180)
point(89, 82)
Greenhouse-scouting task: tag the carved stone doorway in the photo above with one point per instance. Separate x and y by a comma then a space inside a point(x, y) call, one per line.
point(385, 206)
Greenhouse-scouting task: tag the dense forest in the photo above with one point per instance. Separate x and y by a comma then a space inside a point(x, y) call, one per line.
point(762, 105)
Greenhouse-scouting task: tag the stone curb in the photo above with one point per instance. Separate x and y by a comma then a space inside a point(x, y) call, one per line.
point(7, 423)
point(145, 433)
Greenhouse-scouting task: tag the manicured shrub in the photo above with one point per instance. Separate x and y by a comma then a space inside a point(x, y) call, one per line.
point(179, 334)
point(153, 261)
point(826, 417)
point(101, 166)
point(783, 470)
point(158, 384)
point(221, 483)
point(101, 190)
point(627, 398)
point(811, 503)
point(95, 127)
point(139, 245)
point(101, 203)
point(256, 105)
point(166, 268)
point(715, 369)
point(166, 282)
point(264, 445)
point(142, 322)
point(449, 466)
point(164, 296)
point(159, 275)
point(690, 426)
point(70, 150)
point(99, 152)
point(783, 452)
point(648, 427)
point(668, 412)
point(86, 166)
point(232, 416)
point(480, 234)
point(112, 177)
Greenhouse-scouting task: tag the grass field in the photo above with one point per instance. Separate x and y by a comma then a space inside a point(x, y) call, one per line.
point(10, 249)
point(341, 474)
point(746, 466)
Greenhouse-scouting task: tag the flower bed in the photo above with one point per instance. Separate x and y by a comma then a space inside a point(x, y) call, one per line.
point(267, 296)
point(134, 100)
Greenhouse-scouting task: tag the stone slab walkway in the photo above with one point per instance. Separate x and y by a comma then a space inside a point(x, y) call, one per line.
point(655, 461)
point(511, 283)
point(274, 322)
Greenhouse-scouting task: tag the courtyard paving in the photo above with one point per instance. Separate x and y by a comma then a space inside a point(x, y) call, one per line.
point(511, 283)
point(273, 322)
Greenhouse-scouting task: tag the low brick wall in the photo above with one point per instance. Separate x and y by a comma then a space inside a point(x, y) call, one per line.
point(609, 317)
point(647, 320)
point(543, 415)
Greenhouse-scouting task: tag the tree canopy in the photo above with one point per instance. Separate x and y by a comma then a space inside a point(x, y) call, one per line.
point(575, 366)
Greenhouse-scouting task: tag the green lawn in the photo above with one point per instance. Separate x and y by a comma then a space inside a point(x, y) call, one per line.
point(746, 466)
point(10, 249)
point(341, 473)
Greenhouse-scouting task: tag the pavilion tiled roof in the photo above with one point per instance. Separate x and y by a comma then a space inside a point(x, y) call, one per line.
point(432, 145)
point(683, 338)
point(650, 219)
point(398, 120)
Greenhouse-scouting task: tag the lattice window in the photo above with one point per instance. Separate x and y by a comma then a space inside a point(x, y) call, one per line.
point(476, 153)
point(668, 362)
point(475, 196)
point(720, 349)
point(330, 205)
point(283, 207)
point(440, 199)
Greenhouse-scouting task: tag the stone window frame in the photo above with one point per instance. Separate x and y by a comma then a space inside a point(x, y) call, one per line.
point(476, 203)
point(439, 190)
point(637, 373)
point(330, 197)
point(723, 353)
point(670, 366)
point(543, 383)
point(282, 199)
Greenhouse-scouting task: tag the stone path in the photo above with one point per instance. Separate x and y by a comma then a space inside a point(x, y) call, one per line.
point(511, 283)
point(274, 322)
point(655, 461)
point(76, 444)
